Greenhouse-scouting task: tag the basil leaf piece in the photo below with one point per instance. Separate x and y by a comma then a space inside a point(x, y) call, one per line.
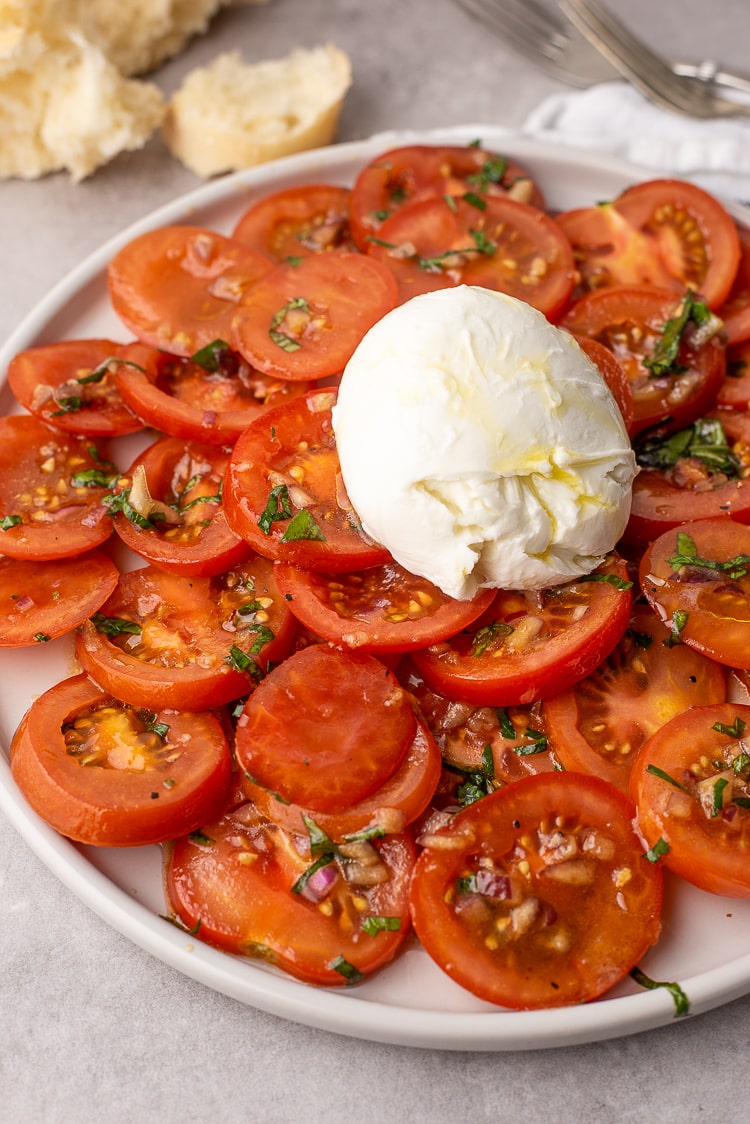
point(378, 924)
point(115, 626)
point(607, 579)
point(681, 1001)
point(351, 974)
point(210, 357)
point(663, 360)
point(281, 339)
point(659, 849)
point(705, 440)
point(9, 521)
point(303, 526)
point(278, 507)
point(736, 730)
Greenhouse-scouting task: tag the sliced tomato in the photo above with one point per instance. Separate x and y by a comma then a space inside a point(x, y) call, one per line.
point(734, 393)
point(210, 397)
point(283, 491)
point(71, 385)
point(532, 645)
point(325, 729)
point(52, 485)
point(193, 643)
point(705, 476)
point(177, 287)
point(414, 172)
point(665, 232)
point(397, 803)
point(380, 609)
point(599, 725)
point(735, 311)
point(101, 772)
point(691, 782)
point(613, 373)
point(502, 245)
point(697, 579)
point(297, 222)
point(304, 321)
point(42, 600)
point(538, 895)
point(631, 322)
point(243, 884)
point(186, 529)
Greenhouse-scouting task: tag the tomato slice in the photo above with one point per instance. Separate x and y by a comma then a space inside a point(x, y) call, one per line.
point(194, 643)
point(502, 245)
point(705, 476)
point(304, 321)
point(599, 725)
point(613, 373)
point(631, 322)
point(734, 393)
point(297, 222)
point(735, 311)
point(211, 401)
point(42, 600)
point(397, 803)
point(283, 490)
point(236, 884)
point(176, 288)
point(414, 172)
point(380, 609)
point(71, 385)
point(325, 729)
point(697, 579)
point(187, 531)
point(101, 772)
point(691, 782)
point(532, 645)
point(538, 895)
point(665, 232)
point(51, 489)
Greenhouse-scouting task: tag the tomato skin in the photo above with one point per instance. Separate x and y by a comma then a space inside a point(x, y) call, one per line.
point(115, 805)
point(707, 847)
point(185, 629)
point(383, 609)
point(735, 312)
point(716, 606)
point(411, 173)
point(176, 288)
point(734, 393)
point(40, 464)
point(323, 746)
point(60, 367)
point(304, 321)
point(559, 652)
point(233, 885)
point(581, 939)
point(42, 600)
point(297, 222)
point(630, 321)
point(599, 725)
point(203, 545)
point(613, 373)
point(293, 445)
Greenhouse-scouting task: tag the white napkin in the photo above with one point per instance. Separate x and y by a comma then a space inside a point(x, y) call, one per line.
point(616, 120)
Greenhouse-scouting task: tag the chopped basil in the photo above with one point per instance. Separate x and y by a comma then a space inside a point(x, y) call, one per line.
point(179, 924)
point(241, 661)
point(210, 357)
point(492, 171)
point(94, 478)
point(201, 838)
point(285, 342)
point(736, 730)
point(305, 877)
point(217, 498)
point(377, 924)
point(663, 360)
point(320, 842)
point(641, 639)
point(657, 772)
point(507, 729)
point(679, 620)
point(120, 502)
point(660, 848)
point(161, 729)
point(484, 636)
point(303, 526)
point(475, 200)
point(717, 802)
point(482, 242)
point(364, 836)
point(609, 579)
point(99, 372)
point(9, 521)
point(705, 440)
point(687, 555)
point(279, 507)
point(351, 974)
point(450, 202)
point(41, 637)
point(114, 626)
point(681, 1002)
point(539, 744)
point(478, 783)
point(69, 405)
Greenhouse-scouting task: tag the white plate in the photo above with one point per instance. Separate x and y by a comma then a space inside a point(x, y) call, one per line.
point(411, 1002)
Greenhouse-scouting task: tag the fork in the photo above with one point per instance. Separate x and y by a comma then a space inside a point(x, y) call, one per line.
point(647, 71)
point(562, 51)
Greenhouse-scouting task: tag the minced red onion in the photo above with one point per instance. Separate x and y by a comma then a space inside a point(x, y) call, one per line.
point(320, 883)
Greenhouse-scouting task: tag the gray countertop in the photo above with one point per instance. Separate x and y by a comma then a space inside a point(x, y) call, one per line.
point(95, 1029)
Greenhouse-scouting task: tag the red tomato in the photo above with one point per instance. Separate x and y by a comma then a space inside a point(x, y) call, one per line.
point(42, 600)
point(706, 481)
point(666, 232)
point(397, 803)
point(71, 385)
point(192, 643)
point(415, 172)
point(735, 311)
point(631, 322)
point(532, 645)
point(691, 782)
point(297, 222)
point(599, 725)
point(305, 320)
point(236, 884)
point(613, 373)
point(734, 393)
point(283, 490)
point(502, 245)
point(211, 401)
point(325, 729)
point(177, 287)
point(187, 532)
point(101, 772)
point(380, 609)
point(51, 489)
point(538, 895)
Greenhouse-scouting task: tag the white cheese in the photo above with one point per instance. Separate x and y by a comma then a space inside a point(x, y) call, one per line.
point(481, 446)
